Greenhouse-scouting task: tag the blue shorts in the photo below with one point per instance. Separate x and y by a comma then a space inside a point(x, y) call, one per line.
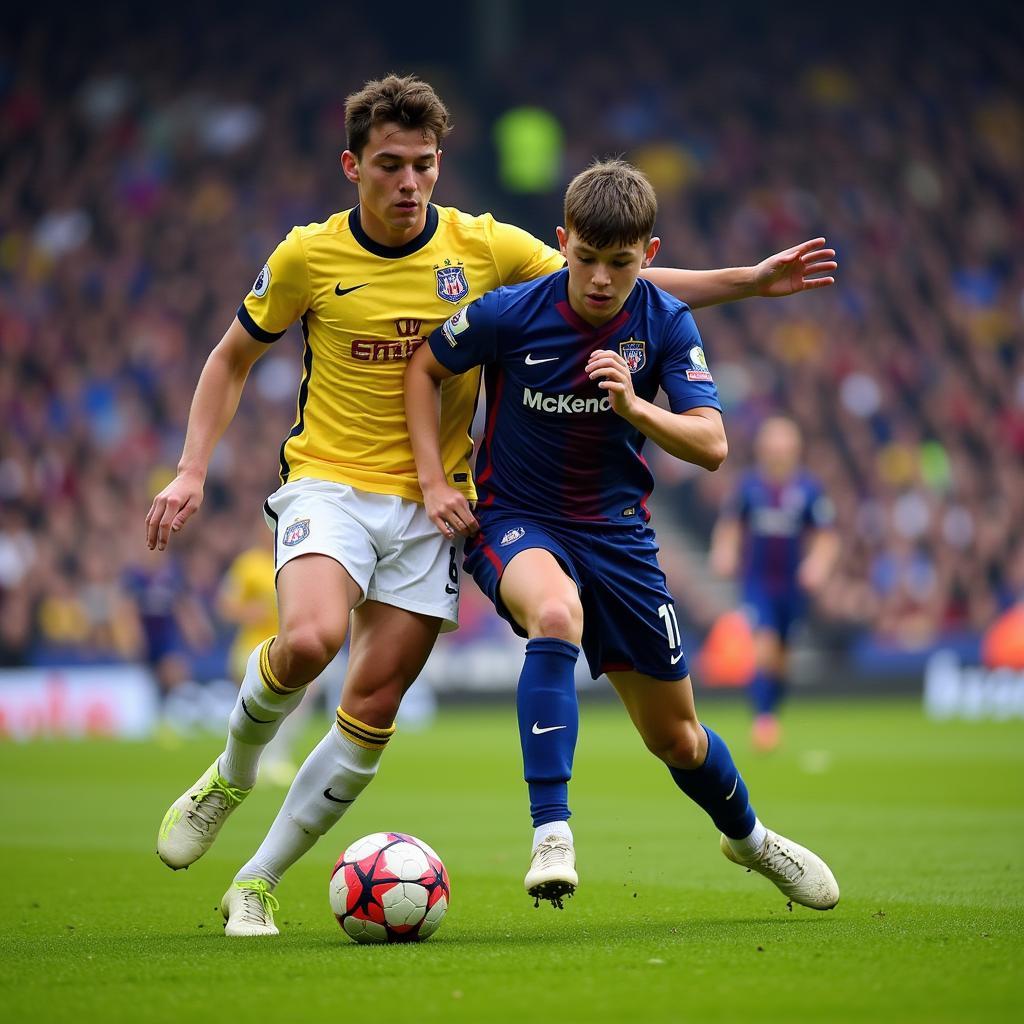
point(777, 610)
point(629, 620)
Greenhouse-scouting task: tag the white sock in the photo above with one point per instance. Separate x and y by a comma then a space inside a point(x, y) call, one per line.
point(261, 707)
point(340, 767)
point(552, 828)
point(282, 748)
point(752, 844)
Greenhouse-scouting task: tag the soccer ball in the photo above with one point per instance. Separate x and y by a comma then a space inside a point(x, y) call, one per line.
point(389, 887)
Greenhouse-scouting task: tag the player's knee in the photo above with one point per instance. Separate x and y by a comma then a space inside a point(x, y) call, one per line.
point(558, 617)
point(683, 746)
point(305, 651)
point(375, 705)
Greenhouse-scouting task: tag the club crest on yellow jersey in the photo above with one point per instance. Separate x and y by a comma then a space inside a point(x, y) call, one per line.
point(452, 285)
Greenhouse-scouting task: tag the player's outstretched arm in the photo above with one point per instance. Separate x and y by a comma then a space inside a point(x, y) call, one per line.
point(213, 407)
point(800, 268)
point(448, 508)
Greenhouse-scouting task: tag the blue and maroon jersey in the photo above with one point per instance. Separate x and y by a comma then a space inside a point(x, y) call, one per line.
point(553, 446)
point(775, 519)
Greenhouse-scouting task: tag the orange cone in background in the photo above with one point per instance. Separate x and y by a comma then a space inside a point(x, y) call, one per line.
point(727, 657)
point(1002, 646)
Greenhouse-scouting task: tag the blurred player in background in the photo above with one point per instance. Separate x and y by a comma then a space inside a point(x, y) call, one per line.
point(777, 535)
point(369, 284)
point(564, 550)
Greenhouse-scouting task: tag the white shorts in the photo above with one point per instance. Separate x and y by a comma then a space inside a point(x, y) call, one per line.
point(387, 544)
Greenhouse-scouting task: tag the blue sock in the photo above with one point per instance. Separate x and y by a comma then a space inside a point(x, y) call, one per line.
point(717, 787)
point(765, 693)
point(549, 721)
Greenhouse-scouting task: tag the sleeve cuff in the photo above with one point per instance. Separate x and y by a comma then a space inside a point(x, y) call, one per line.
point(246, 320)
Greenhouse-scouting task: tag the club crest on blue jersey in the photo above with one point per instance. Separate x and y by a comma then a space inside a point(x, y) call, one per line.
point(452, 285)
point(511, 536)
point(635, 354)
point(296, 533)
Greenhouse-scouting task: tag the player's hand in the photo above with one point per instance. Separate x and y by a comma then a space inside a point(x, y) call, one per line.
point(449, 511)
point(793, 270)
point(612, 374)
point(811, 575)
point(172, 508)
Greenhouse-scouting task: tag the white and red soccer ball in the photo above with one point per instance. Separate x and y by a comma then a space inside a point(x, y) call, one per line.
point(389, 887)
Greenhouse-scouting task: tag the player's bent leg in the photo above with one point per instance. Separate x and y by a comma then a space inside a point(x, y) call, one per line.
point(388, 650)
point(315, 595)
point(389, 647)
point(545, 602)
point(666, 718)
point(541, 596)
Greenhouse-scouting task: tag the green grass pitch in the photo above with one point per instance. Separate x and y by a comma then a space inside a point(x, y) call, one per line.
point(923, 824)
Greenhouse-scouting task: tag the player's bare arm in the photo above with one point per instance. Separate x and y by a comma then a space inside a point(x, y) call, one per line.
point(696, 436)
point(448, 509)
point(213, 407)
point(822, 553)
point(724, 556)
point(800, 268)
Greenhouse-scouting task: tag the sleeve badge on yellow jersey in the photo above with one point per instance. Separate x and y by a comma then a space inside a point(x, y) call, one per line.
point(452, 285)
point(262, 282)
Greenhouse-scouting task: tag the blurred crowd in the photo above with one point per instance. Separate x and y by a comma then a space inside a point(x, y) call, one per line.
point(148, 169)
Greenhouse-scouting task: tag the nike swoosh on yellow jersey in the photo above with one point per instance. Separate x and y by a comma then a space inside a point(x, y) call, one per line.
point(338, 290)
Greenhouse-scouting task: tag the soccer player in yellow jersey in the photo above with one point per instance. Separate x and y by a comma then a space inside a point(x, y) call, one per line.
point(369, 285)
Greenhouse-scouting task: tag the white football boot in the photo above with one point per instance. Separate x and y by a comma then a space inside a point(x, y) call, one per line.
point(801, 875)
point(192, 822)
point(552, 875)
point(248, 908)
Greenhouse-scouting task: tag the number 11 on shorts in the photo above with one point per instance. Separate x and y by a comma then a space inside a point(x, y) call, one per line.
point(668, 613)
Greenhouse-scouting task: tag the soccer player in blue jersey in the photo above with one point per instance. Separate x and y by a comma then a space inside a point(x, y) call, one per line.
point(560, 539)
point(353, 542)
point(776, 533)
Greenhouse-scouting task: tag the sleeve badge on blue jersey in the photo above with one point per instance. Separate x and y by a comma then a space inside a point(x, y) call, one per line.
point(454, 326)
point(697, 359)
point(262, 282)
point(635, 354)
point(452, 285)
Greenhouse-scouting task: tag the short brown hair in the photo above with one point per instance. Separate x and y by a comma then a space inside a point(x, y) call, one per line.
point(403, 100)
point(611, 203)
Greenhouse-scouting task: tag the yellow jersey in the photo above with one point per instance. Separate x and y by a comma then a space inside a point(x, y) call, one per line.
point(365, 308)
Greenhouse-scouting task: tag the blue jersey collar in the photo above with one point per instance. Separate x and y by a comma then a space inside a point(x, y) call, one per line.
point(575, 320)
